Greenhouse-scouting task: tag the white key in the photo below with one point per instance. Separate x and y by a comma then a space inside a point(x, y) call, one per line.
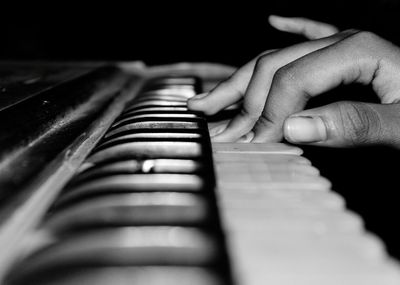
point(270, 148)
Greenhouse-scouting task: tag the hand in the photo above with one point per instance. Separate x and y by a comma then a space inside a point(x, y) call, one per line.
point(276, 86)
point(308, 28)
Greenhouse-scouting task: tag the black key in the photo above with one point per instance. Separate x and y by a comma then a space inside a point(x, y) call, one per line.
point(128, 246)
point(142, 149)
point(167, 124)
point(134, 209)
point(140, 166)
point(156, 109)
point(174, 80)
point(126, 275)
point(150, 135)
point(160, 111)
point(133, 183)
point(156, 103)
point(169, 96)
point(182, 90)
point(147, 115)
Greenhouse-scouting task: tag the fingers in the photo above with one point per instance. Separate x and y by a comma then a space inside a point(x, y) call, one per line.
point(233, 89)
point(308, 28)
point(345, 124)
point(260, 83)
point(356, 59)
point(226, 93)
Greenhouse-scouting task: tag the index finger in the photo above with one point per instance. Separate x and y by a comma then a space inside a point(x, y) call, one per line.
point(227, 92)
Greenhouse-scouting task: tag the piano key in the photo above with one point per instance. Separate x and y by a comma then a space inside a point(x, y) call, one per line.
point(157, 208)
point(269, 223)
point(335, 223)
point(259, 157)
point(154, 124)
point(127, 275)
point(156, 103)
point(284, 220)
point(169, 86)
point(184, 88)
point(366, 248)
point(272, 199)
point(159, 114)
point(267, 182)
point(153, 116)
point(261, 168)
point(310, 269)
point(160, 111)
point(186, 91)
point(196, 86)
point(183, 92)
point(167, 99)
point(151, 135)
point(271, 171)
point(140, 166)
point(174, 80)
point(267, 174)
point(270, 148)
point(165, 95)
point(127, 246)
point(147, 149)
point(131, 183)
point(155, 109)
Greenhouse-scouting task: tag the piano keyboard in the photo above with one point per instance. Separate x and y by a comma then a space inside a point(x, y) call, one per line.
point(284, 225)
point(156, 203)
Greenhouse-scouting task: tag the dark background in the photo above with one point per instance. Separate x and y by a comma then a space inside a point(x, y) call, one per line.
point(227, 33)
point(178, 31)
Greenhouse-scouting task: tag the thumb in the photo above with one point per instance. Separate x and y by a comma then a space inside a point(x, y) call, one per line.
point(345, 124)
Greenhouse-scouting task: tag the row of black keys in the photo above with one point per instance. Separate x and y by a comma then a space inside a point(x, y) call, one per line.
point(141, 210)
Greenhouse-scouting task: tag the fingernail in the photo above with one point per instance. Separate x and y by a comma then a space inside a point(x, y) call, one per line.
point(246, 138)
point(305, 129)
point(217, 130)
point(199, 96)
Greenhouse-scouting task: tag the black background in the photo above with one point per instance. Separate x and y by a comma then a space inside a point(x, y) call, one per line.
point(156, 32)
point(228, 33)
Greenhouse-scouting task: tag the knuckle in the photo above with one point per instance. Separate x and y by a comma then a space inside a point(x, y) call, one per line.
point(331, 29)
point(263, 122)
point(263, 61)
point(285, 76)
point(225, 83)
point(365, 37)
point(267, 52)
point(248, 114)
point(360, 123)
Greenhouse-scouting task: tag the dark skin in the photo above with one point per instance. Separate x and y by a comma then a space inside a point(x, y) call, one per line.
point(276, 86)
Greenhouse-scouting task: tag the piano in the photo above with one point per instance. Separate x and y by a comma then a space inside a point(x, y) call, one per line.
point(107, 178)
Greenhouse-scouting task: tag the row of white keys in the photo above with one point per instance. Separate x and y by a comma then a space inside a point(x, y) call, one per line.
point(284, 225)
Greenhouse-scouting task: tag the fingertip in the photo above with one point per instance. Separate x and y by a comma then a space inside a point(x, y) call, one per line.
point(272, 17)
point(197, 102)
point(263, 134)
point(217, 129)
point(221, 138)
point(275, 20)
point(234, 130)
point(284, 24)
point(246, 138)
point(225, 134)
point(200, 96)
